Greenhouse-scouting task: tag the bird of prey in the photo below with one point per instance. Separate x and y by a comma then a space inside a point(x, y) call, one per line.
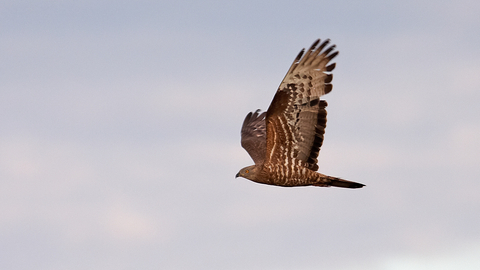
point(284, 141)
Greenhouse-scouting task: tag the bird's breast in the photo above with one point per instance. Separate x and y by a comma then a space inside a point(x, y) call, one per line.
point(286, 175)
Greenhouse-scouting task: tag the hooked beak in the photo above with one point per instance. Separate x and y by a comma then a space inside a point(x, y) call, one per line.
point(237, 175)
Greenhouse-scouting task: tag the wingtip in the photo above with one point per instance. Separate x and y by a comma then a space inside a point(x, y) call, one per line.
point(330, 67)
point(315, 43)
point(256, 114)
point(299, 56)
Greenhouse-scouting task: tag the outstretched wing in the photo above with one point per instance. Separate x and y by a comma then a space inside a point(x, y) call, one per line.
point(254, 136)
point(296, 118)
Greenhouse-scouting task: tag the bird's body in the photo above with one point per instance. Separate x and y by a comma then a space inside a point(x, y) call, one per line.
point(284, 142)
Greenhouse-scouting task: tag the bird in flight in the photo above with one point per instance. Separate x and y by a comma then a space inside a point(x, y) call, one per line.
point(284, 141)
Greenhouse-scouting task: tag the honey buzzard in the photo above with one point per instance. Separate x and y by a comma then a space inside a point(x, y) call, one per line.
point(284, 141)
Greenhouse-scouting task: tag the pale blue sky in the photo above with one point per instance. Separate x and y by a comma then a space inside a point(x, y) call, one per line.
point(120, 135)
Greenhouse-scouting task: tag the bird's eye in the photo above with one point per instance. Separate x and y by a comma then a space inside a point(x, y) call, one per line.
point(246, 171)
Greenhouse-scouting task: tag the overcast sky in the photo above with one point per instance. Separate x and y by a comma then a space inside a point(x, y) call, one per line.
point(120, 135)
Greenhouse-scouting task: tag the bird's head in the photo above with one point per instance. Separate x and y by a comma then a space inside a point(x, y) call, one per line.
point(249, 172)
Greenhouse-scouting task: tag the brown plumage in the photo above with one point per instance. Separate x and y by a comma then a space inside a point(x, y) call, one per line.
point(284, 141)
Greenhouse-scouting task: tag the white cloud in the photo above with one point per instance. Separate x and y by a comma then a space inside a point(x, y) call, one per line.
point(124, 223)
point(458, 258)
